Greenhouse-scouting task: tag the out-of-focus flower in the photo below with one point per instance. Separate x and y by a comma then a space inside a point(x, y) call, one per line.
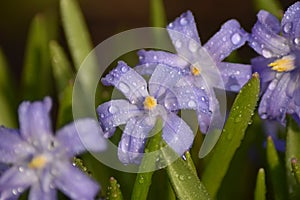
point(144, 106)
point(42, 161)
point(279, 63)
point(200, 64)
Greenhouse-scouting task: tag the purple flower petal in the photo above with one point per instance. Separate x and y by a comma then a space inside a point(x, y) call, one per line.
point(17, 178)
point(290, 22)
point(132, 144)
point(177, 134)
point(114, 113)
point(265, 39)
point(234, 75)
point(162, 79)
point(190, 98)
point(260, 65)
point(182, 30)
point(72, 182)
point(35, 124)
point(82, 135)
point(128, 81)
point(230, 37)
point(160, 57)
point(275, 102)
point(12, 147)
point(37, 193)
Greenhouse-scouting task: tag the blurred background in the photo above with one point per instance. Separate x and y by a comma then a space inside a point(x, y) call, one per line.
point(106, 18)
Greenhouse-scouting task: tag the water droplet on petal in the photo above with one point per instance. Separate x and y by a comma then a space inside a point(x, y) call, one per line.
point(287, 27)
point(264, 116)
point(14, 191)
point(234, 87)
point(192, 104)
point(101, 115)
point(193, 46)
point(297, 40)
point(112, 109)
point(272, 85)
point(155, 57)
point(178, 44)
point(183, 21)
point(125, 68)
point(236, 38)
point(266, 53)
point(224, 39)
point(170, 25)
point(123, 87)
point(21, 169)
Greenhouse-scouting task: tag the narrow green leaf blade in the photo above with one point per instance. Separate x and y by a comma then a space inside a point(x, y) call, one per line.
point(157, 13)
point(8, 103)
point(114, 192)
point(65, 106)
point(296, 169)
point(144, 180)
point(260, 188)
point(276, 171)
point(76, 31)
point(185, 181)
point(292, 151)
point(232, 135)
point(36, 76)
point(62, 70)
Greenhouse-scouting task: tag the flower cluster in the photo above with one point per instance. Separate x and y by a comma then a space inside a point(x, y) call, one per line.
point(41, 161)
point(34, 158)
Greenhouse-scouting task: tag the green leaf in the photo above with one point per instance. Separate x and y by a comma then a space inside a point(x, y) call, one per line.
point(8, 103)
point(65, 106)
point(272, 6)
point(157, 13)
point(276, 171)
point(144, 180)
point(62, 70)
point(185, 181)
point(296, 169)
point(36, 76)
point(260, 188)
point(76, 31)
point(292, 151)
point(232, 135)
point(114, 192)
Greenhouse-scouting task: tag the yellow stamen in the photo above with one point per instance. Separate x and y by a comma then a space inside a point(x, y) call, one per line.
point(195, 71)
point(38, 162)
point(150, 103)
point(283, 64)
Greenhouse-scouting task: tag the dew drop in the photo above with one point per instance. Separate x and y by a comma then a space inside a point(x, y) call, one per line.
point(193, 46)
point(264, 116)
point(101, 115)
point(183, 21)
point(170, 25)
point(14, 191)
point(238, 119)
point(112, 109)
point(192, 104)
point(21, 169)
point(181, 177)
point(155, 57)
point(297, 40)
point(224, 39)
point(236, 38)
point(178, 44)
point(123, 87)
point(125, 68)
point(234, 87)
point(141, 180)
point(229, 136)
point(272, 85)
point(266, 53)
point(287, 27)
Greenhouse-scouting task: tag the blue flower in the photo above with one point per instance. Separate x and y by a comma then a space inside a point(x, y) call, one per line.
point(144, 106)
point(279, 63)
point(201, 64)
point(42, 161)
